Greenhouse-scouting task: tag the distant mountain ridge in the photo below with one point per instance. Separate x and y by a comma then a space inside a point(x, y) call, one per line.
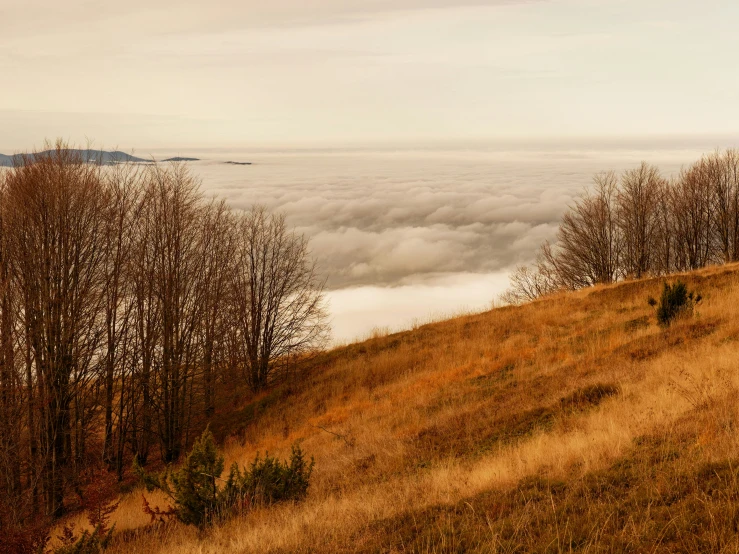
point(93, 156)
point(99, 156)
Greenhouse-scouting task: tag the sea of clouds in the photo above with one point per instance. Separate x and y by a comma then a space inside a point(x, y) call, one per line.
point(403, 235)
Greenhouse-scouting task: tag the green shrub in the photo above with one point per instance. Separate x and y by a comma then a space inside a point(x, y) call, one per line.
point(269, 480)
point(197, 497)
point(195, 489)
point(676, 301)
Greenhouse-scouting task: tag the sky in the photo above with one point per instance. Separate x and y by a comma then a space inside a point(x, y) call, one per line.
point(140, 74)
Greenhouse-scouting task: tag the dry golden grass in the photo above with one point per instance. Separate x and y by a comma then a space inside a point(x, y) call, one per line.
point(435, 419)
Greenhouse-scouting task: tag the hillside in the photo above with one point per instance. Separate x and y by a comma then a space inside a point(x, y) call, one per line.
point(571, 423)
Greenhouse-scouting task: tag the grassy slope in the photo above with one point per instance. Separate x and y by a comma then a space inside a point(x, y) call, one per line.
point(573, 423)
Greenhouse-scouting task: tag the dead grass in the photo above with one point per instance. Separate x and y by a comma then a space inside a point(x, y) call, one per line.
point(572, 423)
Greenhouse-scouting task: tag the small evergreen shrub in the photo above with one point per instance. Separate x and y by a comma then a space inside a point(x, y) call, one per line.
point(269, 480)
point(197, 498)
point(675, 301)
point(193, 487)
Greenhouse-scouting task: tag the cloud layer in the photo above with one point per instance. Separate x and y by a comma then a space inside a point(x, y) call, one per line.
point(409, 218)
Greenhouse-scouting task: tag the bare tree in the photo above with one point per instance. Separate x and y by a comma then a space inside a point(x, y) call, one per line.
point(123, 189)
point(588, 248)
point(55, 214)
point(146, 316)
point(531, 282)
point(11, 394)
point(218, 251)
point(643, 225)
point(277, 297)
point(693, 213)
point(176, 206)
point(722, 172)
point(638, 218)
point(663, 255)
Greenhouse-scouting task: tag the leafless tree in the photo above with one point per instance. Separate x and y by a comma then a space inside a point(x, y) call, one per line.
point(642, 225)
point(126, 299)
point(638, 218)
point(146, 316)
point(277, 295)
point(175, 205)
point(54, 211)
point(123, 187)
point(693, 213)
point(531, 282)
point(218, 251)
point(588, 248)
point(11, 394)
point(721, 170)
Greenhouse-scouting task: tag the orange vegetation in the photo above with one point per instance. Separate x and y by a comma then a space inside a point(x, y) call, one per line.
point(573, 423)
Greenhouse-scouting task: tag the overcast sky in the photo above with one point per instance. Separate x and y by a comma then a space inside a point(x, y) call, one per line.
point(253, 72)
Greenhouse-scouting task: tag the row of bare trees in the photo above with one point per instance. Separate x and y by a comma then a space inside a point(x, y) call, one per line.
point(126, 298)
point(639, 224)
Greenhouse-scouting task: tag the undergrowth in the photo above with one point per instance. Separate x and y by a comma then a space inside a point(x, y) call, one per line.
point(198, 499)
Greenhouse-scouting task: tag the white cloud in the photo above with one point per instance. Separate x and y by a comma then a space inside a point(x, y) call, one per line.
point(357, 311)
point(390, 218)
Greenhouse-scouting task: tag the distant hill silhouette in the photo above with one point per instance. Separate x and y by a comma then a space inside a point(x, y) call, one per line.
point(102, 157)
point(94, 156)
